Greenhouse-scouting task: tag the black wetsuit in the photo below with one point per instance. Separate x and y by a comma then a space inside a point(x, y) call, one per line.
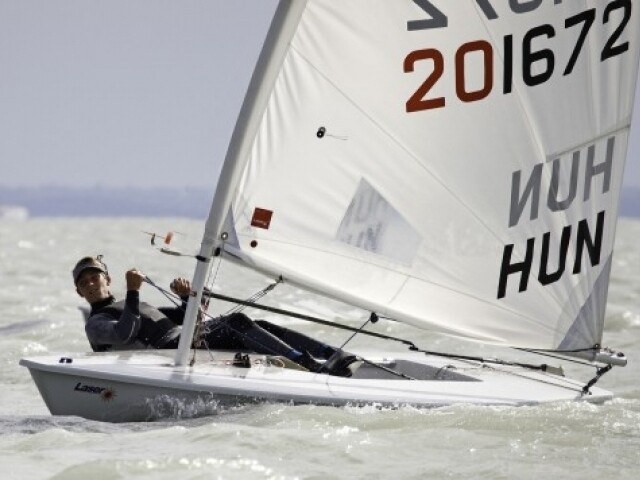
point(131, 324)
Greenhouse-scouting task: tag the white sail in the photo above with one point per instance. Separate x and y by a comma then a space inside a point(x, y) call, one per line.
point(453, 165)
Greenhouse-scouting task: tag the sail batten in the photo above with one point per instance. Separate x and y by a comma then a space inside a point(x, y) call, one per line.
point(624, 127)
point(459, 173)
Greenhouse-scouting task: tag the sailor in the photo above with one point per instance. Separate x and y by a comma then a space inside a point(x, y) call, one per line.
point(131, 324)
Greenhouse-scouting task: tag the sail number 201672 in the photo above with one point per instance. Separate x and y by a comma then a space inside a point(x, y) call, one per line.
point(538, 60)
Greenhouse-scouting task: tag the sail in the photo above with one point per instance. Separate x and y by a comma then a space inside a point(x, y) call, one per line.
point(452, 165)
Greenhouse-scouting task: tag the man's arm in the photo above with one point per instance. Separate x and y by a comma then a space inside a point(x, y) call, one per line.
point(182, 288)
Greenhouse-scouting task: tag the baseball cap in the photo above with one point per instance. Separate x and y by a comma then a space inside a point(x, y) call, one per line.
point(89, 263)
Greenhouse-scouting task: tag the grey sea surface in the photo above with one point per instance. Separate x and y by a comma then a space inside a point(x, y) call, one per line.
point(39, 314)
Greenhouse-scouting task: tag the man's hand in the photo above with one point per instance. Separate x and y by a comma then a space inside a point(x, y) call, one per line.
point(134, 279)
point(181, 287)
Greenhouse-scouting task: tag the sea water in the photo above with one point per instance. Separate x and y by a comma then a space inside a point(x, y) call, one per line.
point(39, 314)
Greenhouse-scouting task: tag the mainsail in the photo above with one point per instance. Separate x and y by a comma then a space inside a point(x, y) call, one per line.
point(452, 165)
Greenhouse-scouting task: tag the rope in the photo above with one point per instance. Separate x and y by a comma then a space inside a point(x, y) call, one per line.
point(360, 330)
point(168, 294)
point(208, 327)
point(204, 327)
point(308, 318)
point(252, 299)
point(241, 304)
point(571, 360)
point(495, 361)
point(373, 318)
point(592, 382)
point(543, 367)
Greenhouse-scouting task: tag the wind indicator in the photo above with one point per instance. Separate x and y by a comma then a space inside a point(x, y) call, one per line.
point(167, 238)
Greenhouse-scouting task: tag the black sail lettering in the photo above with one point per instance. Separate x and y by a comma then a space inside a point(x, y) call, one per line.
point(544, 277)
point(507, 268)
point(594, 246)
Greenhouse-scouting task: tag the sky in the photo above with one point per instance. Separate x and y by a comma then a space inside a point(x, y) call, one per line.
point(132, 93)
point(123, 92)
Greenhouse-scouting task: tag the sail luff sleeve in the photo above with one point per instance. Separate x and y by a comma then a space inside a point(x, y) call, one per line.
point(274, 51)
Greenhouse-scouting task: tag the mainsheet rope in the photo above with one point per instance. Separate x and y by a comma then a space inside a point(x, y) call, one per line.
point(411, 345)
point(210, 328)
point(251, 302)
point(244, 303)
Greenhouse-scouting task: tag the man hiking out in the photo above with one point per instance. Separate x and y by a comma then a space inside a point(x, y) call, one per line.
point(132, 324)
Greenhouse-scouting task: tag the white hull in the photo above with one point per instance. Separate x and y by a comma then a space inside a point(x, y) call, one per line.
point(144, 385)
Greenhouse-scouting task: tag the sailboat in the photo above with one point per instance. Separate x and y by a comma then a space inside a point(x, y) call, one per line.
point(455, 166)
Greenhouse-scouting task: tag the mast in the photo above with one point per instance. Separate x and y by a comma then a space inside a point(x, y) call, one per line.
point(274, 51)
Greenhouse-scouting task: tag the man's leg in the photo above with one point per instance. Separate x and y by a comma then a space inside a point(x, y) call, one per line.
point(338, 361)
point(298, 340)
point(238, 328)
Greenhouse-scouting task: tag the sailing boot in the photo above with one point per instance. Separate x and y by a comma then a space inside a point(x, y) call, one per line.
point(339, 363)
point(308, 362)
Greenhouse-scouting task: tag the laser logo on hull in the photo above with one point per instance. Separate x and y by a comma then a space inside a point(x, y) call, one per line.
point(107, 394)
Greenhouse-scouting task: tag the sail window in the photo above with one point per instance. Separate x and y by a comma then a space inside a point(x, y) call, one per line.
point(372, 224)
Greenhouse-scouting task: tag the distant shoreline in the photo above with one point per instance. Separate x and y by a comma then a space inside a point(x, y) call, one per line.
point(98, 201)
point(187, 202)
